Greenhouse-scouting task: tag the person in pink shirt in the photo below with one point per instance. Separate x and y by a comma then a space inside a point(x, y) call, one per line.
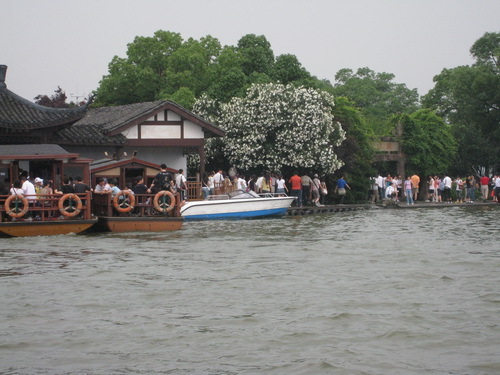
point(408, 190)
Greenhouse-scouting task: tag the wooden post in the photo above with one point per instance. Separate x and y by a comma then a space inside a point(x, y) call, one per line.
point(401, 156)
point(203, 160)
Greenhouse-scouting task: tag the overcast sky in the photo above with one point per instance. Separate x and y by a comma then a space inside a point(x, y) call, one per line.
point(70, 43)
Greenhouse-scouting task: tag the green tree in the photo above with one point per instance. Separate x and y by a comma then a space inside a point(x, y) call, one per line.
point(356, 151)
point(468, 98)
point(184, 97)
point(428, 143)
point(376, 95)
point(487, 49)
point(158, 67)
point(276, 127)
point(257, 55)
point(287, 69)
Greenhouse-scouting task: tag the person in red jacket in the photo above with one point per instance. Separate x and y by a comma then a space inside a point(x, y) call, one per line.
point(296, 188)
point(485, 181)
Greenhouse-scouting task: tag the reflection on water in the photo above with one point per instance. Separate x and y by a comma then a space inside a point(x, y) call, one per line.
point(364, 292)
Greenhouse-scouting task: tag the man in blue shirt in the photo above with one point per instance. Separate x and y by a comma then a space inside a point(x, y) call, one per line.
point(341, 188)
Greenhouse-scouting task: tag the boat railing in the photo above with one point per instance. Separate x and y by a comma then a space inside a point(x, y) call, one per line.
point(45, 207)
point(218, 197)
point(143, 205)
point(272, 195)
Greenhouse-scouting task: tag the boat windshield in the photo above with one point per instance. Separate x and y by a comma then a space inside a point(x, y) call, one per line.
point(240, 194)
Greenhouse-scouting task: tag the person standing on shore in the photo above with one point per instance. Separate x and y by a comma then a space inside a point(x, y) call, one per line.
point(485, 181)
point(447, 189)
point(408, 191)
point(296, 188)
point(415, 180)
point(341, 188)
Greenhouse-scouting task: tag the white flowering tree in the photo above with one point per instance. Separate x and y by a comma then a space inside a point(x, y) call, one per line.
point(274, 127)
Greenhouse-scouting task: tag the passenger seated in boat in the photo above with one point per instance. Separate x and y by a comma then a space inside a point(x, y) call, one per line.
point(81, 187)
point(66, 187)
point(139, 188)
point(17, 188)
point(102, 186)
point(45, 198)
point(114, 189)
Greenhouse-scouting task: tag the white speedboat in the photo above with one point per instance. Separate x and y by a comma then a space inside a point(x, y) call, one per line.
point(236, 205)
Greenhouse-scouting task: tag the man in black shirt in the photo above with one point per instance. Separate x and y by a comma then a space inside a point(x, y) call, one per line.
point(80, 187)
point(162, 180)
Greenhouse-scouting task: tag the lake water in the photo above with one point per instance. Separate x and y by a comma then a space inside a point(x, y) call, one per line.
point(379, 291)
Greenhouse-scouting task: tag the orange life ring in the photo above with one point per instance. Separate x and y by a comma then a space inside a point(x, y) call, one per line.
point(70, 210)
point(124, 206)
point(16, 211)
point(163, 206)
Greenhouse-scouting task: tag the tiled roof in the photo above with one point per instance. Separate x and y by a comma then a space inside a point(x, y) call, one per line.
point(101, 125)
point(88, 135)
point(33, 150)
point(111, 118)
point(19, 114)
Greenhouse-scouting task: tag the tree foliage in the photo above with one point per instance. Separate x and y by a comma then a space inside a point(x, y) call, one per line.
point(58, 100)
point(376, 95)
point(428, 142)
point(468, 97)
point(356, 151)
point(166, 66)
point(276, 127)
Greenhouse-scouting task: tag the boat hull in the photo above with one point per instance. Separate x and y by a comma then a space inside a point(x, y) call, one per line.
point(140, 224)
point(236, 208)
point(45, 228)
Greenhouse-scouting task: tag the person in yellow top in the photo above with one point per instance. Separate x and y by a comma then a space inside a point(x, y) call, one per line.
point(266, 183)
point(415, 182)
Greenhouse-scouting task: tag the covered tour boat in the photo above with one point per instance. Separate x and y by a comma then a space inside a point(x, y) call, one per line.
point(128, 212)
point(45, 212)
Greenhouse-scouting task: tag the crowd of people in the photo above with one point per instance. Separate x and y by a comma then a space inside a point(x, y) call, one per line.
point(309, 191)
point(437, 189)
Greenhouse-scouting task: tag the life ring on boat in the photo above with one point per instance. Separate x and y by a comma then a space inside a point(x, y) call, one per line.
point(16, 211)
point(126, 204)
point(163, 206)
point(70, 210)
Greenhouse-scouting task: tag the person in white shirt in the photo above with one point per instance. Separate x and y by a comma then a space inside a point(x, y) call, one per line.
point(447, 189)
point(391, 191)
point(380, 183)
point(180, 181)
point(29, 189)
point(497, 188)
point(29, 193)
point(281, 186)
point(219, 182)
point(258, 184)
point(241, 183)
